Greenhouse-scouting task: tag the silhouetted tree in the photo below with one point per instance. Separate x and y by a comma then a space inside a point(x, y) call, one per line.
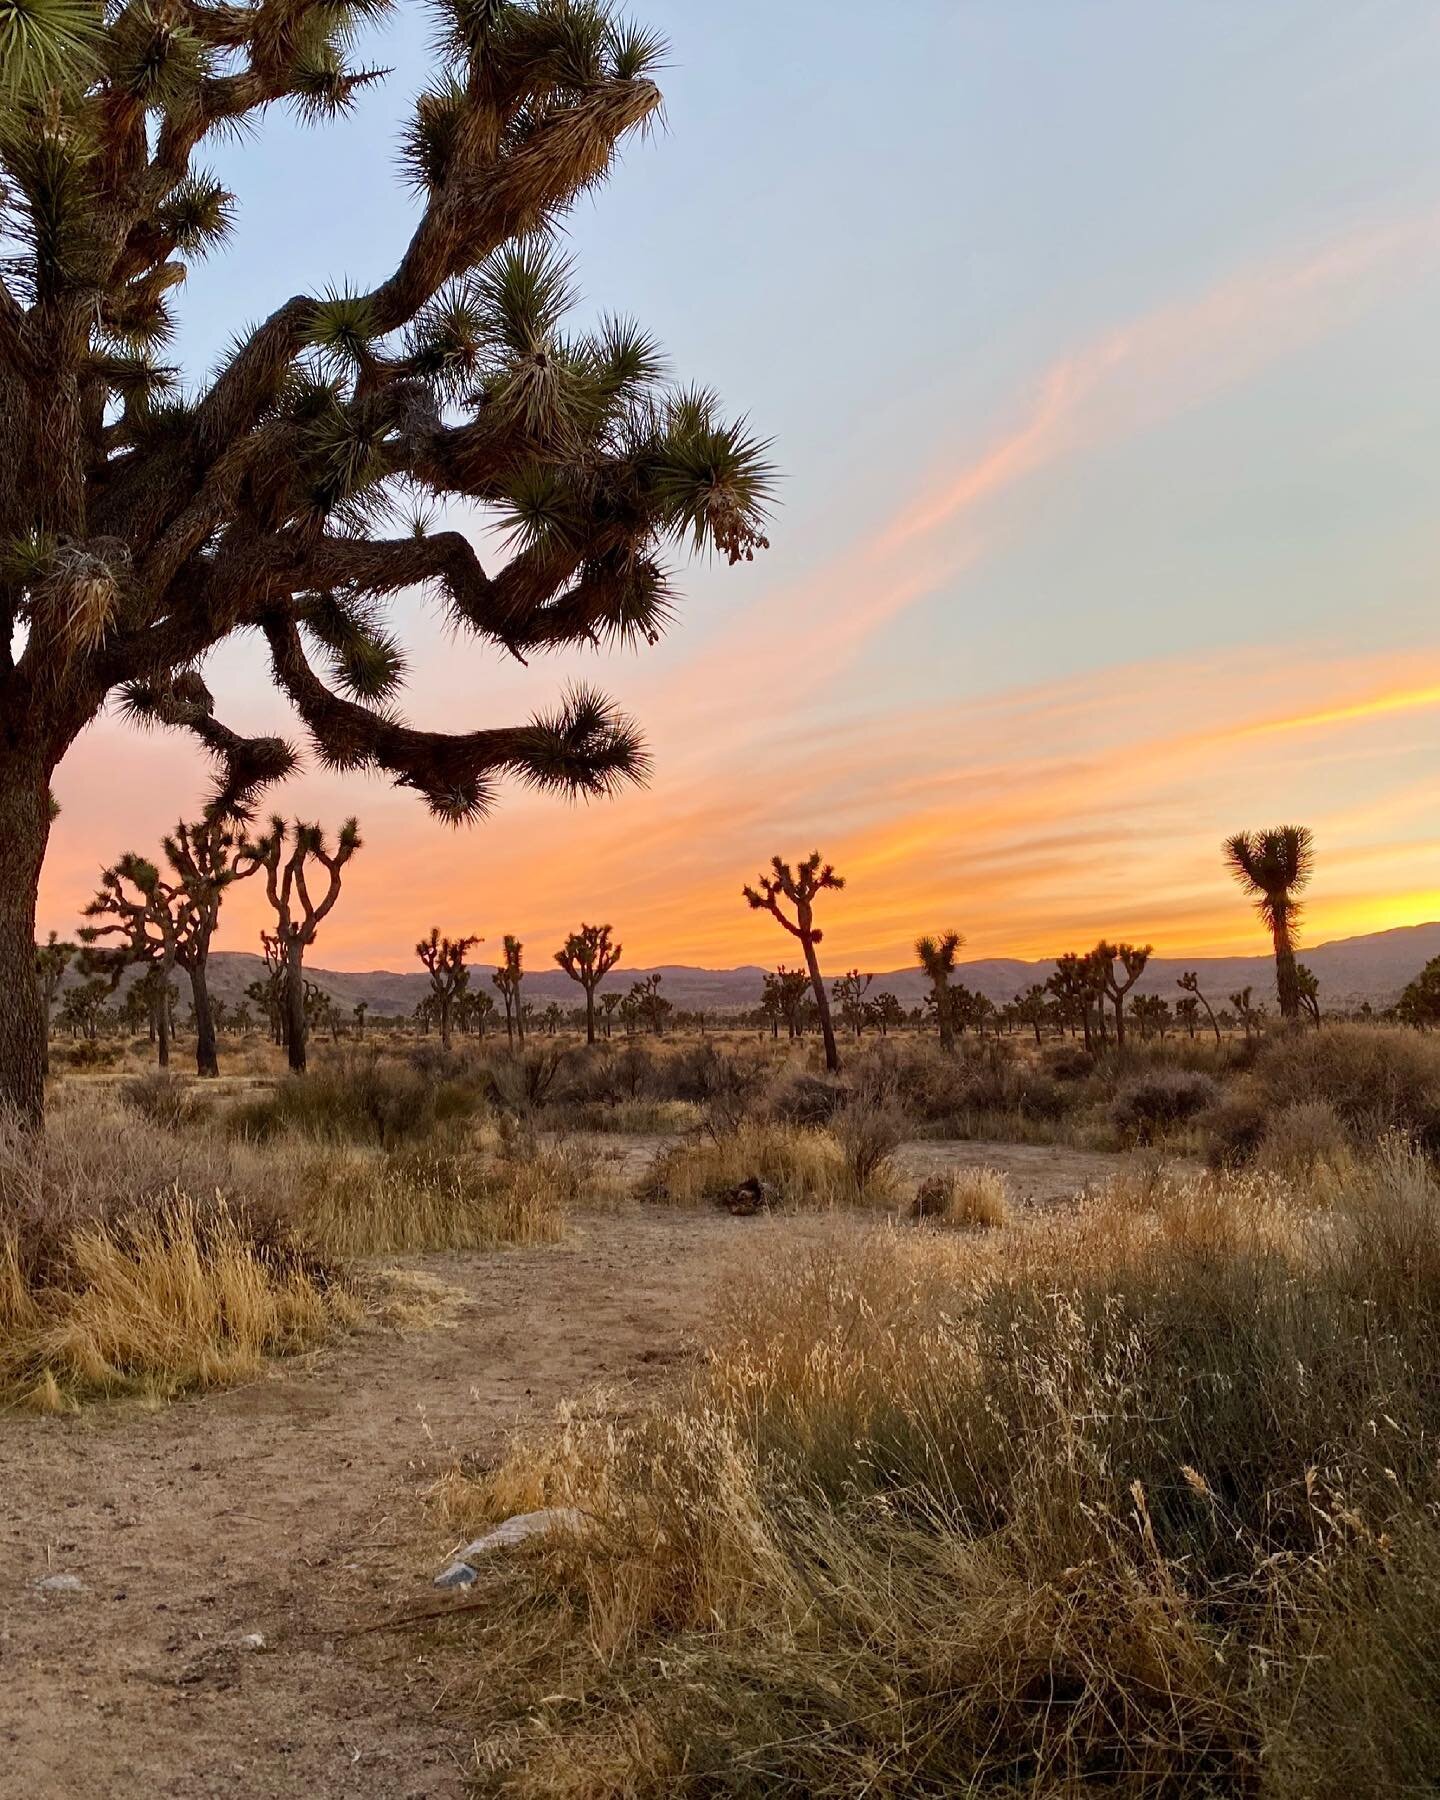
point(849, 995)
point(357, 1013)
point(1033, 1008)
point(143, 525)
point(1246, 1011)
point(588, 956)
point(1307, 987)
point(52, 958)
point(206, 858)
point(886, 1011)
point(1190, 982)
point(507, 979)
point(1078, 984)
point(1273, 867)
point(1419, 1004)
point(937, 959)
point(144, 919)
point(443, 959)
point(800, 886)
point(285, 853)
point(1132, 959)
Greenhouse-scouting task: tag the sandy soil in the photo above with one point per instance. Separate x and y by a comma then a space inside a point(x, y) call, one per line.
point(291, 1508)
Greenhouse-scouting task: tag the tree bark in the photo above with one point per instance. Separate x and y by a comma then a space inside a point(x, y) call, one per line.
point(822, 1006)
point(24, 831)
point(589, 1015)
point(444, 1023)
point(295, 1008)
point(1287, 981)
point(207, 1058)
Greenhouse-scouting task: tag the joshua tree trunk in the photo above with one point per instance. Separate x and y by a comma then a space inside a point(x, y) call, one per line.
point(295, 1033)
point(1287, 983)
point(24, 830)
point(822, 1005)
point(162, 1021)
point(207, 1059)
point(444, 1022)
point(589, 1015)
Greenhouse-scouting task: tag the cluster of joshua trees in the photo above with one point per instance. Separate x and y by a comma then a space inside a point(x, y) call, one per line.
point(157, 917)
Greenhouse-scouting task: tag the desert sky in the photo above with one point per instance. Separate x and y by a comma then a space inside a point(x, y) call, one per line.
point(1097, 343)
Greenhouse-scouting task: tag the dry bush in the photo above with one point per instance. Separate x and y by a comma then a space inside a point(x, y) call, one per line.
point(363, 1203)
point(1377, 1079)
point(359, 1097)
point(1301, 1137)
point(167, 1101)
point(1150, 1105)
point(133, 1263)
point(804, 1168)
point(523, 1081)
point(1141, 1501)
point(968, 1199)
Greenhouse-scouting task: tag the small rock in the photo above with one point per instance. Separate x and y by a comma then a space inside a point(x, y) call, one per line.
point(505, 1537)
point(62, 1584)
point(253, 1640)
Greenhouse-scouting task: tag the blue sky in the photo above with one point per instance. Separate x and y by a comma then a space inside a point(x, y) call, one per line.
point(1150, 287)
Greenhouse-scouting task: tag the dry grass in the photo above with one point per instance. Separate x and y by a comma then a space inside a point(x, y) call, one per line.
point(358, 1203)
point(964, 1199)
point(135, 1263)
point(804, 1168)
point(1142, 1499)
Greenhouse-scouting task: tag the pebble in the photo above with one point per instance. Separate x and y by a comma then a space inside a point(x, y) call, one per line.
point(62, 1584)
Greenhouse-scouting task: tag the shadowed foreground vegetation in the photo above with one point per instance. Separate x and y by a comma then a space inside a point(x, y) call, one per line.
point(1140, 1500)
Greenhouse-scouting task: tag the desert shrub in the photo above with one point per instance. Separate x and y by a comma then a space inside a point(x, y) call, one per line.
point(1068, 1062)
point(1234, 1129)
point(363, 1203)
point(1085, 1512)
point(1299, 1137)
point(1378, 1080)
point(358, 1098)
point(869, 1133)
point(167, 1101)
point(86, 1054)
point(803, 1167)
point(135, 1262)
point(803, 1099)
point(966, 1198)
point(521, 1083)
point(1151, 1104)
point(725, 1084)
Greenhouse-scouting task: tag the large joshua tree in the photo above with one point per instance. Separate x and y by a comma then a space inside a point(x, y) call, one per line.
point(799, 886)
point(1132, 959)
point(1273, 867)
point(443, 959)
point(142, 524)
point(587, 956)
point(142, 918)
point(937, 958)
point(285, 853)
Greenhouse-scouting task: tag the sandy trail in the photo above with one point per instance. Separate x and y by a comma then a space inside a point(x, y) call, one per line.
point(290, 1508)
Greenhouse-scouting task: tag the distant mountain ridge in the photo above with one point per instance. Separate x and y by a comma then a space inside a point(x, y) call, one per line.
point(1374, 967)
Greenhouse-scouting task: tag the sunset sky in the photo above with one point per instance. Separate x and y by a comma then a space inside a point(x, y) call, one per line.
point(1098, 345)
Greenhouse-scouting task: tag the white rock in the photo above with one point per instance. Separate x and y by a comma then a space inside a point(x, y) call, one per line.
point(62, 1584)
point(505, 1537)
point(253, 1640)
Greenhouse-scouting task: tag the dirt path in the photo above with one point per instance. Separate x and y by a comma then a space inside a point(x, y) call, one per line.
point(289, 1508)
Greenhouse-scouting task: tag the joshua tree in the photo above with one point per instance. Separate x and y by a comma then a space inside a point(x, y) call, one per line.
point(1246, 1011)
point(1132, 959)
point(1190, 982)
point(284, 854)
point(1419, 1005)
point(142, 525)
point(205, 858)
point(1152, 1014)
point(146, 917)
point(937, 959)
point(849, 995)
point(52, 958)
point(1032, 1008)
point(885, 1010)
point(608, 1004)
point(588, 956)
point(554, 1018)
point(651, 1007)
point(507, 979)
point(444, 961)
point(784, 991)
point(1272, 867)
point(358, 1012)
point(1307, 986)
point(1078, 985)
point(800, 886)
point(1187, 1011)
point(472, 1010)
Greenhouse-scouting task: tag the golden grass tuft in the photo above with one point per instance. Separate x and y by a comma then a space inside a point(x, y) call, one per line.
point(177, 1297)
point(354, 1202)
point(1142, 1499)
point(805, 1168)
